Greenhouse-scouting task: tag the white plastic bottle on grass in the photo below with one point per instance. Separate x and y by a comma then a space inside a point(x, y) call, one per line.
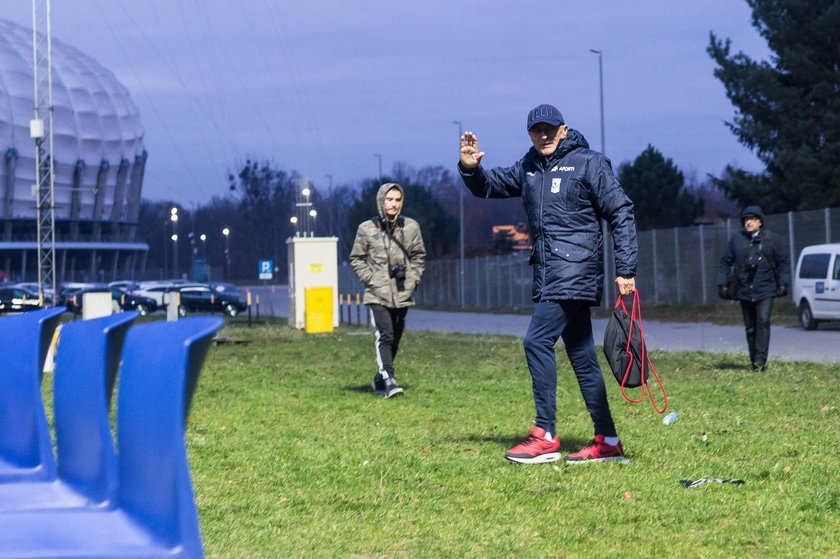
point(670, 418)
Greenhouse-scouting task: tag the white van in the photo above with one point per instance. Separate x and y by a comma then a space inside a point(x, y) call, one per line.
point(816, 285)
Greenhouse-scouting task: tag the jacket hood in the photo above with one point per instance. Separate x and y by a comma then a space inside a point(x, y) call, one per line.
point(753, 210)
point(573, 140)
point(380, 197)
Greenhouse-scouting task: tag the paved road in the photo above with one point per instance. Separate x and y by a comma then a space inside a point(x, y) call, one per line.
point(787, 343)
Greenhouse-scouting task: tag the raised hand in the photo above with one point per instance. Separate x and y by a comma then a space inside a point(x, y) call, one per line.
point(470, 156)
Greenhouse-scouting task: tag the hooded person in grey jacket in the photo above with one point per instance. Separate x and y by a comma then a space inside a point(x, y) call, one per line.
point(567, 189)
point(388, 256)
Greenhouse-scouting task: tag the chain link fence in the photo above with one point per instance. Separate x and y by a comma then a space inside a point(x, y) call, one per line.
point(676, 265)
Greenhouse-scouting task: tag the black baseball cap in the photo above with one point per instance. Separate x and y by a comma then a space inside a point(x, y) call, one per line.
point(545, 113)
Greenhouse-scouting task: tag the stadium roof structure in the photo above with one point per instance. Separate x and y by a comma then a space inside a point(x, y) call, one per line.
point(99, 163)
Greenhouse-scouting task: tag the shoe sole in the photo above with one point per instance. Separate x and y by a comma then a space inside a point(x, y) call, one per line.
point(393, 393)
point(594, 460)
point(541, 459)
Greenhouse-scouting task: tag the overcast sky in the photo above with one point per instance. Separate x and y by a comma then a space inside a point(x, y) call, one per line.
point(321, 87)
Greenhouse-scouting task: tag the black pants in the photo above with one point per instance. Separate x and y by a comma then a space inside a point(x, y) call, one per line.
point(388, 325)
point(757, 324)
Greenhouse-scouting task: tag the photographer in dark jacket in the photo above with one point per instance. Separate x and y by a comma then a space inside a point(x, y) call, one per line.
point(389, 257)
point(567, 189)
point(763, 271)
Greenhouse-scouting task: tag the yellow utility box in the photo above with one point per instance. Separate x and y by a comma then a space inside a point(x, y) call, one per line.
point(313, 262)
point(319, 309)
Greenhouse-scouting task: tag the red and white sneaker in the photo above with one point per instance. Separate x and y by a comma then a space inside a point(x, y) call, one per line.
point(536, 449)
point(598, 451)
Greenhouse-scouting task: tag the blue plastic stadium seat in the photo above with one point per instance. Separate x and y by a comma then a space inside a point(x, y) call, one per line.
point(25, 445)
point(86, 364)
point(154, 513)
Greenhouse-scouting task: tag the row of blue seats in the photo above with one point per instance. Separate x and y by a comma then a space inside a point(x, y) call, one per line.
point(88, 497)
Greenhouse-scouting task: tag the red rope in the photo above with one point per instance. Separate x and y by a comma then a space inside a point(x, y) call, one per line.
point(636, 315)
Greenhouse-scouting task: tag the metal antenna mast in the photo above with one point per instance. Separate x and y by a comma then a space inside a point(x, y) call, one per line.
point(41, 130)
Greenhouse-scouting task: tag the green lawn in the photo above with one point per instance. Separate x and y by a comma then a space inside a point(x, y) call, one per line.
point(292, 456)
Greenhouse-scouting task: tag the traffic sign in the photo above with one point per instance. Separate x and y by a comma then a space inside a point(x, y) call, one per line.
point(266, 269)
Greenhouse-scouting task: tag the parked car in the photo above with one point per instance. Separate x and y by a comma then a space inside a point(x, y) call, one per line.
point(33, 291)
point(121, 300)
point(32, 286)
point(66, 291)
point(74, 297)
point(227, 289)
point(128, 301)
point(816, 285)
point(18, 299)
point(128, 285)
point(202, 298)
point(157, 290)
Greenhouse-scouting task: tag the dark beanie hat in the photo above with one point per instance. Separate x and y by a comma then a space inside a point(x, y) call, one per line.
point(752, 210)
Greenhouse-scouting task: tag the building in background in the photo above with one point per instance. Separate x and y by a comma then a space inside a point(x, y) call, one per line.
point(99, 165)
point(511, 238)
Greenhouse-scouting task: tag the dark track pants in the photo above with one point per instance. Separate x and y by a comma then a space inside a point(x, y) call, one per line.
point(388, 327)
point(757, 324)
point(570, 320)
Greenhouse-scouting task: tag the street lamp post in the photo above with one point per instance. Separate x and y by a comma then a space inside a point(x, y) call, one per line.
point(203, 238)
point(304, 205)
point(332, 208)
point(165, 250)
point(460, 226)
point(600, 54)
point(226, 233)
point(604, 228)
point(173, 215)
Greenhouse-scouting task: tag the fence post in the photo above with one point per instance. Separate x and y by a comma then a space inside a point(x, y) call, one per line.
point(827, 214)
point(527, 284)
point(498, 283)
point(677, 263)
point(655, 268)
point(485, 270)
point(477, 283)
point(703, 263)
point(248, 296)
point(792, 240)
point(510, 283)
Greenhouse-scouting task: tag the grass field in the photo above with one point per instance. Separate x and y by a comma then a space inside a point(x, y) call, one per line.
point(292, 456)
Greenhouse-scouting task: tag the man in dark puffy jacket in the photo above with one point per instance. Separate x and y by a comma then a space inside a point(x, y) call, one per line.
point(763, 271)
point(567, 189)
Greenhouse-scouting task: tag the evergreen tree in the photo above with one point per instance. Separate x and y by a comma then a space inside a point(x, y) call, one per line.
point(788, 109)
point(657, 188)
